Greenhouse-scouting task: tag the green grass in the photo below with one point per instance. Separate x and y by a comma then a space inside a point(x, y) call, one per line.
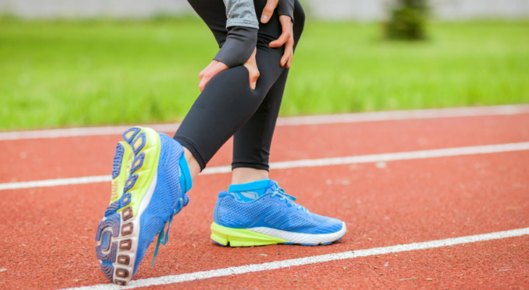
point(61, 73)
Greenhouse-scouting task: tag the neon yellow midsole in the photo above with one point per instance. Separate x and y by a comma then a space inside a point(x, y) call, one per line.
point(241, 237)
point(147, 171)
point(118, 183)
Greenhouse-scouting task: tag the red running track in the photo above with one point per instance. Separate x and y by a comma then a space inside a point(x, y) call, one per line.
point(47, 233)
point(36, 159)
point(499, 264)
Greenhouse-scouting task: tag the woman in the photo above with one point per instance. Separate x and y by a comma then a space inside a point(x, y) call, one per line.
point(241, 93)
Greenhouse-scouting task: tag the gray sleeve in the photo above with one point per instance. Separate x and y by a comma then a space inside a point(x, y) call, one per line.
point(238, 47)
point(286, 7)
point(241, 13)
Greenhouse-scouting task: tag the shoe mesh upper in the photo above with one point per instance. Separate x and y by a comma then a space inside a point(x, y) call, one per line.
point(165, 196)
point(273, 213)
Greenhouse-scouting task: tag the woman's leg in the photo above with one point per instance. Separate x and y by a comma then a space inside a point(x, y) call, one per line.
point(255, 210)
point(251, 145)
point(228, 102)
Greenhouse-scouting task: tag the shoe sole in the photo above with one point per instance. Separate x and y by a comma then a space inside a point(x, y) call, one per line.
point(267, 236)
point(134, 179)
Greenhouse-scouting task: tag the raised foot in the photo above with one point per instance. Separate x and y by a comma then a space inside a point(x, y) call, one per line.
point(118, 233)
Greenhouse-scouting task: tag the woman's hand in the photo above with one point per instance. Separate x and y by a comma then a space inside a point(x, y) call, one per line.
point(253, 71)
point(287, 36)
point(215, 67)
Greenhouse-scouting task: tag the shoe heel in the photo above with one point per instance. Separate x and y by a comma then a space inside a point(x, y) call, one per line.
point(116, 238)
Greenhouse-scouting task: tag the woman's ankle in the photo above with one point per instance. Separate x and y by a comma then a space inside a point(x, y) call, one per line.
point(243, 175)
point(192, 163)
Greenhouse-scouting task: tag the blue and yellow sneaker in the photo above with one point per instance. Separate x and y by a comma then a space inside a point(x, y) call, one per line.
point(150, 178)
point(261, 213)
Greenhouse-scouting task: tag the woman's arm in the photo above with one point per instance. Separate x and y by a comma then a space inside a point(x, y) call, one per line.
point(242, 28)
point(239, 47)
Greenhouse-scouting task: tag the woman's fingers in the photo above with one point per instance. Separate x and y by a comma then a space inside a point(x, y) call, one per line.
point(290, 46)
point(286, 25)
point(289, 54)
point(287, 39)
point(290, 61)
point(214, 68)
point(268, 10)
point(254, 75)
point(253, 71)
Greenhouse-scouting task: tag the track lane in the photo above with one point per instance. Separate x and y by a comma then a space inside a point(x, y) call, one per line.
point(435, 199)
point(26, 160)
point(497, 264)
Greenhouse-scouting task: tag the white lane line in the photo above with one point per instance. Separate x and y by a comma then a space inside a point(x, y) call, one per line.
point(405, 115)
point(308, 260)
point(55, 182)
point(289, 121)
point(485, 149)
point(78, 132)
point(435, 153)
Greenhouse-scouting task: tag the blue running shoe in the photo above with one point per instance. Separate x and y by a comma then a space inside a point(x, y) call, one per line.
point(261, 213)
point(150, 178)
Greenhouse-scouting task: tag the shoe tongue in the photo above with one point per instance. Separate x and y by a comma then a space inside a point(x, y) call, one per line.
point(271, 187)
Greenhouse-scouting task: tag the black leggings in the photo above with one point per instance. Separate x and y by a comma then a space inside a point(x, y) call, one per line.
point(228, 106)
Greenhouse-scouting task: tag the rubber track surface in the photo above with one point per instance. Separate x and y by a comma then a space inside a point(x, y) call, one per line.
point(499, 264)
point(47, 234)
point(26, 160)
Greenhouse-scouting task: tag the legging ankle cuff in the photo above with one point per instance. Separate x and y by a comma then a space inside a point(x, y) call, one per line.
point(192, 148)
point(261, 166)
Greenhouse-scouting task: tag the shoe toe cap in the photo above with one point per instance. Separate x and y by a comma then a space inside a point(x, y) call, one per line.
point(327, 225)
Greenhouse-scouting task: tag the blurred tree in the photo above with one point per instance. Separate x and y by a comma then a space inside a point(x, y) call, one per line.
point(407, 20)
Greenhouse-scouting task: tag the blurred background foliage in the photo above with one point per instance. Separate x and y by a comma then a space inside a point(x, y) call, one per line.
point(56, 73)
point(407, 20)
